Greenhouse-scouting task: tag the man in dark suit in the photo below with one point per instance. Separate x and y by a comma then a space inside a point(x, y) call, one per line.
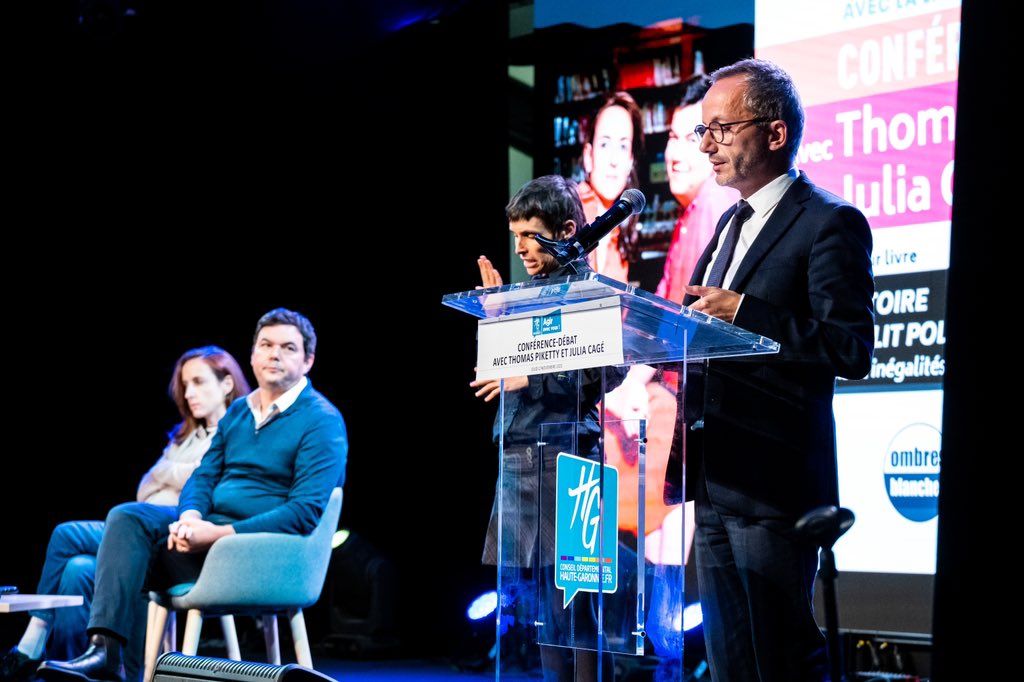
point(760, 434)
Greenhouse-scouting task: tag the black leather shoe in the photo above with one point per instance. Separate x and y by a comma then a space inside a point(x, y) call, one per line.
point(100, 662)
point(17, 667)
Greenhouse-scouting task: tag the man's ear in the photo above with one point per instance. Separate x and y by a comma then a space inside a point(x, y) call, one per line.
point(568, 229)
point(778, 134)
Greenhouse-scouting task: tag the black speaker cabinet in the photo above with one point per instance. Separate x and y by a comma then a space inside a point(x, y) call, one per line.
point(175, 667)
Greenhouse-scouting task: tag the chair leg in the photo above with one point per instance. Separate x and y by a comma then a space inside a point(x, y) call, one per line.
point(298, 625)
point(227, 624)
point(193, 628)
point(155, 626)
point(271, 638)
point(150, 615)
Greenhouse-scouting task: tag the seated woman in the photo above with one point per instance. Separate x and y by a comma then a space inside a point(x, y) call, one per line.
point(204, 383)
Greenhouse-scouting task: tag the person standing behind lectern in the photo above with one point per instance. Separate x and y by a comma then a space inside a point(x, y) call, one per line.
point(548, 206)
point(277, 455)
point(760, 430)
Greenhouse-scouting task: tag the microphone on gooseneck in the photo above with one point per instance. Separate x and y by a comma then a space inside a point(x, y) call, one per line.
point(589, 236)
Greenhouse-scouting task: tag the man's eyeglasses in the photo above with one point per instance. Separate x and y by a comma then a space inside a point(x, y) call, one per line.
point(718, 130)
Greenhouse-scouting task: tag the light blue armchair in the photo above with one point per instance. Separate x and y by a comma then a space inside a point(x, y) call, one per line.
point(258, 574)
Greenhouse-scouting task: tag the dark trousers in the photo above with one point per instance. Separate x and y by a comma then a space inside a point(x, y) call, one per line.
point(756, 585)
point(133, 558)
point(70, 568)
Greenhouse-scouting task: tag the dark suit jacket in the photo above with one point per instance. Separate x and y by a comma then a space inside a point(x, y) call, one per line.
point(767, 446)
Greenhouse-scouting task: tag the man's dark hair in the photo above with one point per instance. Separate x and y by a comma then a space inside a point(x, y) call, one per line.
point(694, 89)
point(770, 94)
point(279, 316)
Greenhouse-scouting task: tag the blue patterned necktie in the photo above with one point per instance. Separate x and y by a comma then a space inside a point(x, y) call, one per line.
point(721, 264)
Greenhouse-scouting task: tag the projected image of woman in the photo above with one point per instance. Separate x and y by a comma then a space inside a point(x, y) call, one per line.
point(613, 143)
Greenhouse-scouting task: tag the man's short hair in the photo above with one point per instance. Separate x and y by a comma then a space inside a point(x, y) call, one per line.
point(770, 94)
point(694, 88)
point(279, 316)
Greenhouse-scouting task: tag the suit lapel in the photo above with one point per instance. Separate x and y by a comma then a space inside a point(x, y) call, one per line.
point(783, 217)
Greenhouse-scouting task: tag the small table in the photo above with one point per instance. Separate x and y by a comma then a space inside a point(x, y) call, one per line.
point(9, 603)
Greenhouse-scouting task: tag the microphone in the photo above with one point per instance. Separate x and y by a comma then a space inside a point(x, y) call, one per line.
point(587, 238)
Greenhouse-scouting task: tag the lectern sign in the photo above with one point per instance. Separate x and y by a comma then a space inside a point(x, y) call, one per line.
point(586, 528)
point(572, 336)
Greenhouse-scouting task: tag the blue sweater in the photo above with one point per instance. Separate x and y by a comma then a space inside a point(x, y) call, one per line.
point(277, 479)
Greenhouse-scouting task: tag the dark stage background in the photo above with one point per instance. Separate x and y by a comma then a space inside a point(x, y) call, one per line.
point(179, 172)
point(196, 166)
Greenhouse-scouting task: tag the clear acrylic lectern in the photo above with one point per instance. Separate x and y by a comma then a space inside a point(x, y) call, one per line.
point(575, 594)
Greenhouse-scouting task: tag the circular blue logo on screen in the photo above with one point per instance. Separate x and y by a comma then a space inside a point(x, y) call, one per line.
point(911, 471)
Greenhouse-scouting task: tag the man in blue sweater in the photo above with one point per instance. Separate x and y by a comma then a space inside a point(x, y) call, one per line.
point(277, 455)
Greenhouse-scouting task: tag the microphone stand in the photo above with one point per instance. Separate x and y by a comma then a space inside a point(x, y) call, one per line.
point(587, 237)
point(559, 248)
point(822, 527)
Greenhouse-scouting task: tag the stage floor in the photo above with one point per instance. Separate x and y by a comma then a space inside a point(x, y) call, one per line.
point(401, 669)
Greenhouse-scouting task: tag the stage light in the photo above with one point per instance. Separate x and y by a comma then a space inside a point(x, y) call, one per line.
point(340, 536)
point(483, 606)
point(362, 594)
point(477, 647)
point(692, 616)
